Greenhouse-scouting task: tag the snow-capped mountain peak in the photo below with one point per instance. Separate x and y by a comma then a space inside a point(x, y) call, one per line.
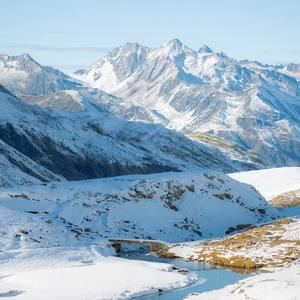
point(18, 63)
point(23, 75)
point(205, 49)
point(173, 50)
point(173, 45)
point(130, 47)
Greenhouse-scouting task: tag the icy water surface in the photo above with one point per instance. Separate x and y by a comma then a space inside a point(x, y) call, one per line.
point(209, 278)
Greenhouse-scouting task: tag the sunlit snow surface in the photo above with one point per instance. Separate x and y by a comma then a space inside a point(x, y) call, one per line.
point(82, 273)
point(271, 182)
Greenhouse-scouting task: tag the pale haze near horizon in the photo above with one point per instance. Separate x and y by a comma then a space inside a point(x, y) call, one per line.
point(72, 34)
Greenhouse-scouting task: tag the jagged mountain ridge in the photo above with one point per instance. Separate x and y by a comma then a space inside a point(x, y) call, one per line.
point(208, 95)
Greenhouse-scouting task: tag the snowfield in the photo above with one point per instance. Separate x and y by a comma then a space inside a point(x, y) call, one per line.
point(279, 285)
point(82, 273)
point(167, 206)
point(271, 182)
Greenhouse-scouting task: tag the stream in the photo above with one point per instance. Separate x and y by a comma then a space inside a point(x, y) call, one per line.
point(209, 277)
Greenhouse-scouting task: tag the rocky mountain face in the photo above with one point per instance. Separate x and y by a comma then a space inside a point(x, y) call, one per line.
point(247, 109)
point(42, 144)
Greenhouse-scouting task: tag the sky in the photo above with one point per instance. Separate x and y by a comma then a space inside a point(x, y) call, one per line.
point(71, 34)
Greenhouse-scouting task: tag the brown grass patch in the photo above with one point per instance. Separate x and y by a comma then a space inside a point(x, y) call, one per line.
point(245, 250)
point(288, 199)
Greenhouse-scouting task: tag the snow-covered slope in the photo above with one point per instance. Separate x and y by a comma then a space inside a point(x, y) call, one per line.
point(271, 182)
point(23, 75)
point(82, 273)
point(168, 206)
point(16, 168)
point(71, 101)
point(283, 284)
point(206, 94)
point(91, 142)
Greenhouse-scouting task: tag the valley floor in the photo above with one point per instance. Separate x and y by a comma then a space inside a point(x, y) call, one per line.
point(52, 269)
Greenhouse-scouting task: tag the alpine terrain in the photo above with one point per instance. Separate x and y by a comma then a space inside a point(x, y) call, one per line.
point(166, 150)
point(248, 109)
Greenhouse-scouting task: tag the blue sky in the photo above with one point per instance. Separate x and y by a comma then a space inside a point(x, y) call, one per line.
point(74, 33)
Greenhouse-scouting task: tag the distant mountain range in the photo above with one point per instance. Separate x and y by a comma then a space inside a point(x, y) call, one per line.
point(247, 110)
point(250, 110)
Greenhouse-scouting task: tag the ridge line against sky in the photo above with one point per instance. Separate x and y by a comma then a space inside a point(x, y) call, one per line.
point(76, 33)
